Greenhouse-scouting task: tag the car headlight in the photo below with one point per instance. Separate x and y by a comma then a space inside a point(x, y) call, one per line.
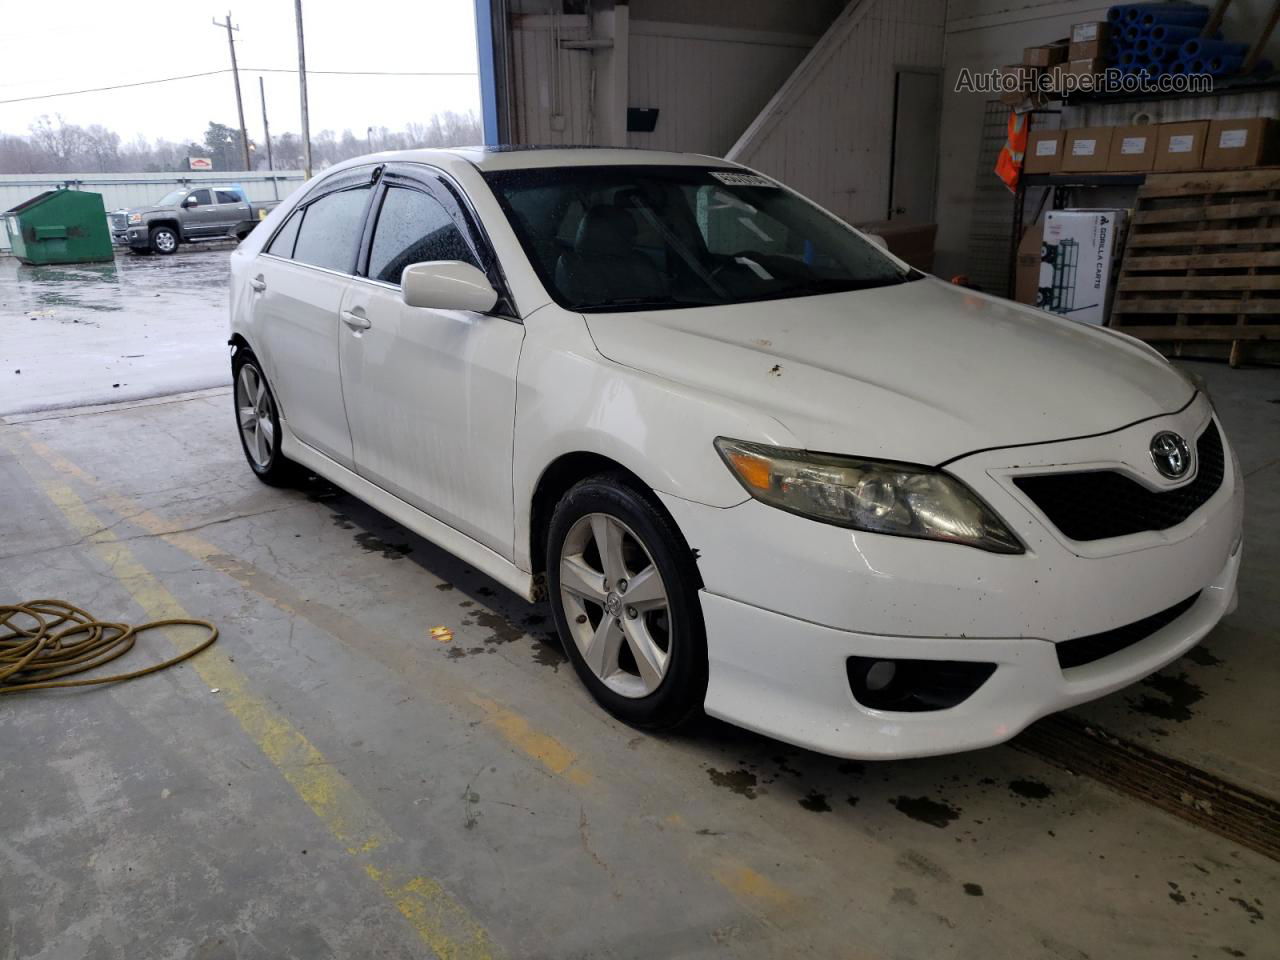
point(135, 218)
point(899, 499)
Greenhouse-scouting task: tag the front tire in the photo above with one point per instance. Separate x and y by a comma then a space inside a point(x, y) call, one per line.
point(164, 240)
point(624, 594)
point(258, 423)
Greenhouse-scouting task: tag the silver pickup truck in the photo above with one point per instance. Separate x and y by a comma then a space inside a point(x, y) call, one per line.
point(187, 215)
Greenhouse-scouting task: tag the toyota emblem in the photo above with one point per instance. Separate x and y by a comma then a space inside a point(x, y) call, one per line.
point(1170, 454)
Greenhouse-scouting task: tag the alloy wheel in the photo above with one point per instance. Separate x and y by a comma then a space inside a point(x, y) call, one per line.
point(615, 604)
point(254, 413)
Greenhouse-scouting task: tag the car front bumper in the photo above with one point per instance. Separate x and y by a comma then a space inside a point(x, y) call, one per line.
point(132, 237)
point(788, 600)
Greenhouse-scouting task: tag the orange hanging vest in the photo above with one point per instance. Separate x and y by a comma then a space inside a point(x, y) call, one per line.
point(1009, 163)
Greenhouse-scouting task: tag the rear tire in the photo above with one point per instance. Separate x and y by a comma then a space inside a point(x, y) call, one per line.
point(258, 422)
point(624, 594)
point(164, 240)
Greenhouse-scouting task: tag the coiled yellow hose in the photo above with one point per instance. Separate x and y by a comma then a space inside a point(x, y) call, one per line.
point(44, 641)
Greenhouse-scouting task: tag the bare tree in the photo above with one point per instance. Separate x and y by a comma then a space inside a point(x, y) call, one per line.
point(55, 146)
point(103, 147)
point(63, 143)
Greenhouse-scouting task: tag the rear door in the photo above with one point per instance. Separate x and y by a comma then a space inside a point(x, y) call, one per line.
point(299, 281)
point(232, 209)
point(430, 394)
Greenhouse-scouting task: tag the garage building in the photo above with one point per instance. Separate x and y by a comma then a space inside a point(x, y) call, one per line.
point(387, 751)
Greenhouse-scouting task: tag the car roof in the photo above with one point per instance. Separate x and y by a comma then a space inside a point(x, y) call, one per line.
point(529, 157)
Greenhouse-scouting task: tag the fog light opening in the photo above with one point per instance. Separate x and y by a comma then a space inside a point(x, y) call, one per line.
point(914, 686)
point(880, 674)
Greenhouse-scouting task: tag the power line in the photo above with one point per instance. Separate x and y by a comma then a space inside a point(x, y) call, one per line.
point(214, 73)
point(118, 86)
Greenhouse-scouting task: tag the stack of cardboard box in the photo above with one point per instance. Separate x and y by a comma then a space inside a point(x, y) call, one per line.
point(1089, 48)
point(1186, 145)
point(1085, 51)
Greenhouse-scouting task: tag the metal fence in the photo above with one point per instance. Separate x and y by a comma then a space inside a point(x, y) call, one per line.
point(138, 189)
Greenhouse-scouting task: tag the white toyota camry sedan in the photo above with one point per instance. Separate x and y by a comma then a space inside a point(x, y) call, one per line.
point(760, 467)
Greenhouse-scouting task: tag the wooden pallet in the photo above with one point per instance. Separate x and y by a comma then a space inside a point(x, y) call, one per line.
point(1200, 273)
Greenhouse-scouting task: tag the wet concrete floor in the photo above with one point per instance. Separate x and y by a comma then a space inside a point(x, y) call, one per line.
point(334, 780)
point(139, 326)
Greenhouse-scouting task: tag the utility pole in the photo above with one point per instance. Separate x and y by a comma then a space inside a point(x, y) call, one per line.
point(235, 72)
point(302, 87)
point(266, 130)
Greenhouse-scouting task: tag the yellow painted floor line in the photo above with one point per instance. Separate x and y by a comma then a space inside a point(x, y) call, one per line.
point(442, 923)
point(749, 886)
point(547, 750)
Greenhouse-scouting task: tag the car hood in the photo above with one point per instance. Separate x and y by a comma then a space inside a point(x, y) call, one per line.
point(922, 371)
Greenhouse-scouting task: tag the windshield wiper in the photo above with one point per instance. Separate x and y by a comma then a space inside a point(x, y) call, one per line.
point(847, 286)
point(639, 303)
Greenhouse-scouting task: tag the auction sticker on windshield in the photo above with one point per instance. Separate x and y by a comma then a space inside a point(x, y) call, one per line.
point(742, 179)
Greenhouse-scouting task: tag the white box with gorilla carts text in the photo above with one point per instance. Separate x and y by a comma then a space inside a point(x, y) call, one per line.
point(1077, 259)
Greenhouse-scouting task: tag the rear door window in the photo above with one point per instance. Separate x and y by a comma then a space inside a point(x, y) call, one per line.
point(330, 233)
point(226, 196)
point(413, 227)
point(282, 244)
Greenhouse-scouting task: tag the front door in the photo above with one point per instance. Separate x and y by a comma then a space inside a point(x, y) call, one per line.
point(200, 216)
point(913, 176)
point(298, 283)
point(430, 394)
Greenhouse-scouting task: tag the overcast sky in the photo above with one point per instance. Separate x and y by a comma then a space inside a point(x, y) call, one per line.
point(59, 45)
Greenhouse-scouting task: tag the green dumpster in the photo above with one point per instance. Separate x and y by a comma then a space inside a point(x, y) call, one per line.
point(59, 226)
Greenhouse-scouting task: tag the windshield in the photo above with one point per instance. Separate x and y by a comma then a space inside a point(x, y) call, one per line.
point(171, 199)
point(652, 237)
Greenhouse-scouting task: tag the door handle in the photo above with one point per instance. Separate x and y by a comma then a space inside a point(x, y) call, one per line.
point(258, 284)
point(356, 321)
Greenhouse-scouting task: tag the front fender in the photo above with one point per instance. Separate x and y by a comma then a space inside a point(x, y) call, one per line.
point(570, 399)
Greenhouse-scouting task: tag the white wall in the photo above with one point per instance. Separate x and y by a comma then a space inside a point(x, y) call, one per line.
point(829, 131)
point(707, 83)
point(982, 34)
point(707, 79)
point(550, 82)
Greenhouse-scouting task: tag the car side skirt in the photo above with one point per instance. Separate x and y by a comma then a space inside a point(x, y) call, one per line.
point(423, 524)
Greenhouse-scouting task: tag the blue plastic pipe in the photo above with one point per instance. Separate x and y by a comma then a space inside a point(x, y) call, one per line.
point(1224, 66)
point(1169, 33)
point(1118, 14)
point(1206, 49)
point(1179, 14)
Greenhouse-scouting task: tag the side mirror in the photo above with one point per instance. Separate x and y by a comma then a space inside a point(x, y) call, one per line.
point(447, 285)
point(191, 202)
point(878, 240)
